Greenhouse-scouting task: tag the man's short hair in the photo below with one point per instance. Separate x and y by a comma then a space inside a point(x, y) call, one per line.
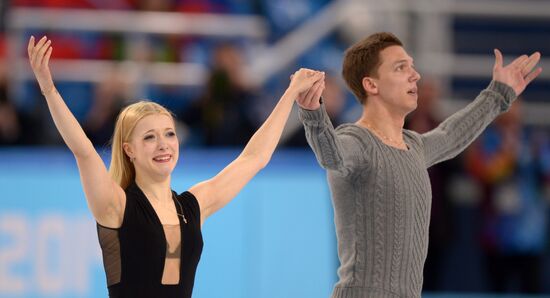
point(362, 59)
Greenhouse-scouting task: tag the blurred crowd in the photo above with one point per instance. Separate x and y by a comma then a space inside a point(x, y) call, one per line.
point(490, 204)
point(224, 111)
point(489, 223)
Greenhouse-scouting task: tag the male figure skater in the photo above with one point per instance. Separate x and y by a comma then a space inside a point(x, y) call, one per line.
point(377, 171)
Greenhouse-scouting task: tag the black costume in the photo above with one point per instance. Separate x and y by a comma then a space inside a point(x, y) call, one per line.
point(139, 257)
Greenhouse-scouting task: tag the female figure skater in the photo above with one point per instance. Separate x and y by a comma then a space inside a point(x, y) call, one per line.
point(149, 235)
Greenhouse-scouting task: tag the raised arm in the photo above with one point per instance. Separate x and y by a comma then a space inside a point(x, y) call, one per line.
point(105, 198)
point(458, 131)
point(215, 193)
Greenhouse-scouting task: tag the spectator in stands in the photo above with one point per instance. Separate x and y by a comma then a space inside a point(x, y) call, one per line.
point(109, 98)
point(10, 129)
point(155, 5)
point(222, 115)
point(507, 162)
point(9, 120)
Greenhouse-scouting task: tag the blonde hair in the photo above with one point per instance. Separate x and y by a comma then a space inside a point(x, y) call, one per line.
point(122, 169)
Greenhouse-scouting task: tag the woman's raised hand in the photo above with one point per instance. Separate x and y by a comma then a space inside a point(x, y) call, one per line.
point(303, 79)
point(39, 57)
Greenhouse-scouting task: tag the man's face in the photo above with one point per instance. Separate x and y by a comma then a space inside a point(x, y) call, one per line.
point(396, 80)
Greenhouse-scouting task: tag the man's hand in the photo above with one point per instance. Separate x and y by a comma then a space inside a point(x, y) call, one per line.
point(309, 99)
point(517, 74)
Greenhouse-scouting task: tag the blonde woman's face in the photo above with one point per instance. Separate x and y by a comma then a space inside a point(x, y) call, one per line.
point(154, 146)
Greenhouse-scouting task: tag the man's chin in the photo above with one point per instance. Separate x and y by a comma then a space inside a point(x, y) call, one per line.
point(411, 108)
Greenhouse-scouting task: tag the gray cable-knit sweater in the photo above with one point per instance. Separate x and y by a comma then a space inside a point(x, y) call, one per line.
point(382, 196)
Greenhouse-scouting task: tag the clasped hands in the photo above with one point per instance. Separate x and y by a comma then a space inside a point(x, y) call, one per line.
point(310, 84)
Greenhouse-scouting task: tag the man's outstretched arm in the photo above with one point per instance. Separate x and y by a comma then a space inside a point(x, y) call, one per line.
point(457, 132)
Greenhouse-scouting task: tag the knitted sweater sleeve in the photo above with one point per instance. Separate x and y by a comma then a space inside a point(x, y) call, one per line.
point(458, 131)
point(334, 149)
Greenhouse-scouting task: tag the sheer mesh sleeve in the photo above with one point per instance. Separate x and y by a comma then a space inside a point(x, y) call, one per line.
point(110, 247)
